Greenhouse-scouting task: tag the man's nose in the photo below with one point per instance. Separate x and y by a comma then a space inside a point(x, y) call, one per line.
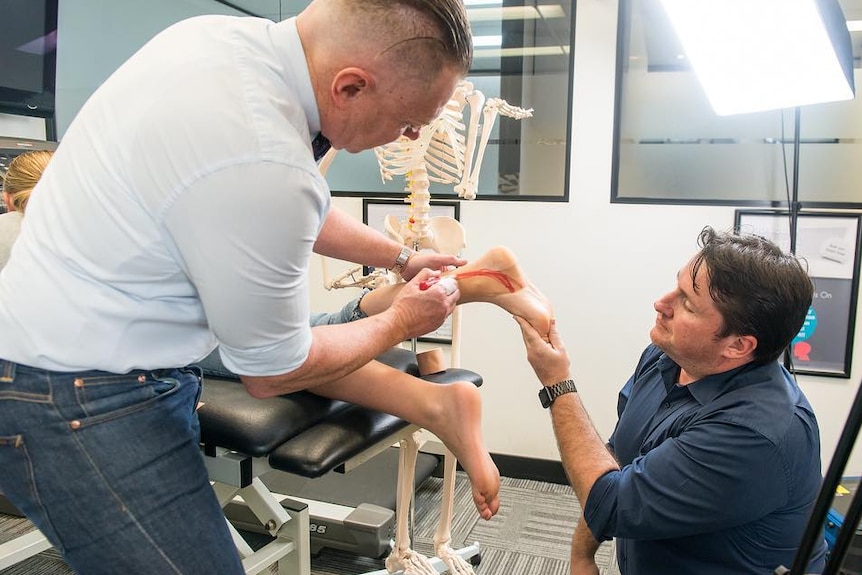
point(662, 305)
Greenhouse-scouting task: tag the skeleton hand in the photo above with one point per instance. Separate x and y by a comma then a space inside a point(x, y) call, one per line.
point(354, 278)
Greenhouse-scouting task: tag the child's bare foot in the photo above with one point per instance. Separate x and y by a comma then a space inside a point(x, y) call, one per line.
point(496, 277)
point(460, 428)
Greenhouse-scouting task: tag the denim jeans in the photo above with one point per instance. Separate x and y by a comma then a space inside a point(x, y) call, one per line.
point(108, 467)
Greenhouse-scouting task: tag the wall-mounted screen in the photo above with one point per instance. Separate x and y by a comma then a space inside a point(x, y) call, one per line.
point(28, 53)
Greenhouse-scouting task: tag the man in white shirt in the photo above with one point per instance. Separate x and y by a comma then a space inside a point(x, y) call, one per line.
point(180, 213)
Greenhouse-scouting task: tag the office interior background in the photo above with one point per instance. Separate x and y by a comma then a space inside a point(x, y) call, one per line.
point(600, 255)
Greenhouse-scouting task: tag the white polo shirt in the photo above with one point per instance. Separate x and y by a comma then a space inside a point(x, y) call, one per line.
point(179, 212)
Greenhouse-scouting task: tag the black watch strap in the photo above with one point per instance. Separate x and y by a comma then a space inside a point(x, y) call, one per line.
point(548, 394)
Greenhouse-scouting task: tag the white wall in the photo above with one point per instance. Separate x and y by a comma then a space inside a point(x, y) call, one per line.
point(601, 264)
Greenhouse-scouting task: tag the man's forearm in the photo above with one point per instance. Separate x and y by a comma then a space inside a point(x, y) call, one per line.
point(346, 238)
point(337, 351)
point(584, 455)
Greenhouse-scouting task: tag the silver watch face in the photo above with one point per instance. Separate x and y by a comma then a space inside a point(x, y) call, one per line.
point(402, 258)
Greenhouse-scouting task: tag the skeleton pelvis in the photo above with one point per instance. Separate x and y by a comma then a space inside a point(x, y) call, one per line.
point(444, 234)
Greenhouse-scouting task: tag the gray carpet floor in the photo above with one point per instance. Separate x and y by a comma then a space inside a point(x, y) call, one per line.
point(530, 535)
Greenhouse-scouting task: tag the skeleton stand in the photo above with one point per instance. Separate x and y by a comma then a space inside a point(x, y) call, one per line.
point(440, 154)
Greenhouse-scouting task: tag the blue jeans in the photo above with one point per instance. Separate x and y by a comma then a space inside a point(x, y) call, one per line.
point(108, 467)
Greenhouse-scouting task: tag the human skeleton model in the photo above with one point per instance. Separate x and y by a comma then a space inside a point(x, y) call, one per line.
point(442, 154)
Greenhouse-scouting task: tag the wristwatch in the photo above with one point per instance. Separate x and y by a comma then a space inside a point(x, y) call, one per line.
point(548, 394)
point(401, 261)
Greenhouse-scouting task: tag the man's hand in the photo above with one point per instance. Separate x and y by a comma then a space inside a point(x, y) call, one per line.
point(421, 311)
point(432, 261)
point(549, 358)
point(584, 547)
point(585, 566)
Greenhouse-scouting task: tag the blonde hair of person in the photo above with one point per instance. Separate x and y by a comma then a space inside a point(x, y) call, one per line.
point(21, 177)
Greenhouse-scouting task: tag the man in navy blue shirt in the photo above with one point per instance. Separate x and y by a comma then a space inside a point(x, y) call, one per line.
point(714, 465)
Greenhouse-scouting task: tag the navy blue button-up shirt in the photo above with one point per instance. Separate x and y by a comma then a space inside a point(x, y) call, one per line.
point(717, 477)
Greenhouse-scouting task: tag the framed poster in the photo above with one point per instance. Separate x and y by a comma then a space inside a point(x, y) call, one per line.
point(374, 213)
point(829, 243)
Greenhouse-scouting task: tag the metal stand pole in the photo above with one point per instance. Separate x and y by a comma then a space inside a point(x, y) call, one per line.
point(814, 528)
point(794, 199)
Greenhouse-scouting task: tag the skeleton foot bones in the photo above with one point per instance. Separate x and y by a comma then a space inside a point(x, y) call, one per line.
point(455, 564)
point(410, 562)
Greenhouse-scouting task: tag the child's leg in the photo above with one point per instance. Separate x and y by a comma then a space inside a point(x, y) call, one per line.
point(452, 412)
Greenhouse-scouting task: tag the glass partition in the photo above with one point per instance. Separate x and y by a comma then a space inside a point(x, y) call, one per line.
point(670, 147)
point(523, 54)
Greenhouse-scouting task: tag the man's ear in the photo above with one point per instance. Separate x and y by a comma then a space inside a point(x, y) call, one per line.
point(350, 83)
point(740, 346)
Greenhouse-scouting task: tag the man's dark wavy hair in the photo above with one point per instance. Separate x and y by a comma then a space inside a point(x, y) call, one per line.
point(758, 289)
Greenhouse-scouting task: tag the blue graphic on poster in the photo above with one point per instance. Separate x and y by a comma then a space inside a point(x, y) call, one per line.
point(800, 345)
point(820, 343)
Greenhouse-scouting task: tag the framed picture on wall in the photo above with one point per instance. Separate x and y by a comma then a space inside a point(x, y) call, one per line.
point(375, 212)
point(829, 244)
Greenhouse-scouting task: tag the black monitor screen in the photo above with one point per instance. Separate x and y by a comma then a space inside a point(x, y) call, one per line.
point(28, 56)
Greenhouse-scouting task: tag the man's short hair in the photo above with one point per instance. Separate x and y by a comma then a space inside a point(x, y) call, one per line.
point(427, 34)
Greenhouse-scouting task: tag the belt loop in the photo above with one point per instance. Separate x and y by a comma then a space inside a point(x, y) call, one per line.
point(7, 371)
point(197, 370)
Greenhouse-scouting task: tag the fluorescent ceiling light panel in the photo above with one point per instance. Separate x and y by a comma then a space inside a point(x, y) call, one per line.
point(854, 25)
point(754, 55)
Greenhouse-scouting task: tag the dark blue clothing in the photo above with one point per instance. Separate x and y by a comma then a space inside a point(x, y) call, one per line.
point(717, 477)
point(319, 146)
